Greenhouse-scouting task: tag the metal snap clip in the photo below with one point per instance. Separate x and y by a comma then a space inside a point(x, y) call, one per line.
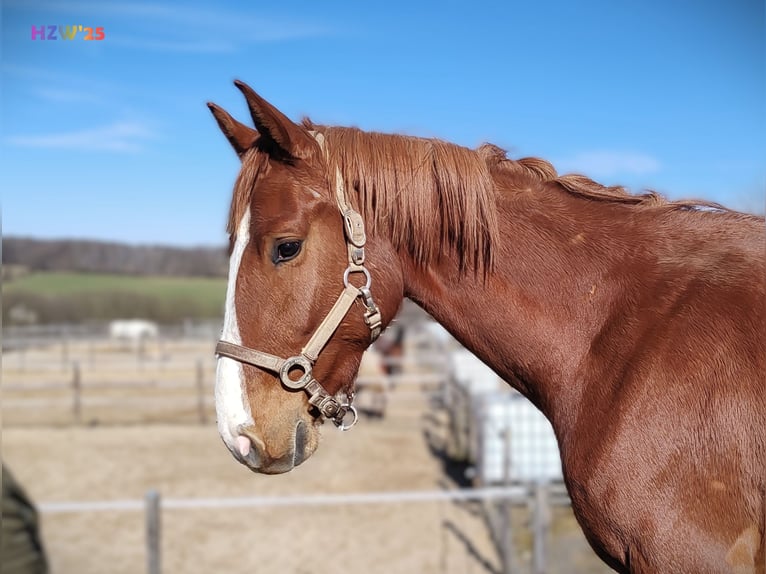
point(341, 424)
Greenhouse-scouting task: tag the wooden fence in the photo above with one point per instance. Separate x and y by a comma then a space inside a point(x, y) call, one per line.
point(68, 378)
point(540, 498)
point(79, 375)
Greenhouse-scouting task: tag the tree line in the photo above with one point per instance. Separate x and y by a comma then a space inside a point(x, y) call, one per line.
point(105, 257)
point(24, 305)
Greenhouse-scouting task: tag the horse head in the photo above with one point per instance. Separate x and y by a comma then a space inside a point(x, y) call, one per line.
point(308, 290)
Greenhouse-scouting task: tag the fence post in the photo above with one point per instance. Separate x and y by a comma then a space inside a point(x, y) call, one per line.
point(471, 425)
point(140, 352)
point(201, 393)
point(153, 532)
point(161, 352)
point(64, 349)
point(508, 552)
point(540, 523)
point(76, 392)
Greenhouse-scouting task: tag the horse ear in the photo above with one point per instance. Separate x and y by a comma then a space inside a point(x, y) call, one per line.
point(285, 136)
point(240, 136)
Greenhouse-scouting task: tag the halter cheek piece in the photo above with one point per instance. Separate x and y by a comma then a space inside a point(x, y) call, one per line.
point(328, 406)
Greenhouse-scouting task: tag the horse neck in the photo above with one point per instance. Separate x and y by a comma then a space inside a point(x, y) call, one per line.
point(534, 317)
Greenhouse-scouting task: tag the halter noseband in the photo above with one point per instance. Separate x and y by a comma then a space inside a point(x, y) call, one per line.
point(328, 406)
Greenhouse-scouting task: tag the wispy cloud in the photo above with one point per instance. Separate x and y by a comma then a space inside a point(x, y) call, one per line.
point(115, 137)
point(61, 85)
point(67, 96)
point(608, 163)
point(178, 46)
point(750, 199)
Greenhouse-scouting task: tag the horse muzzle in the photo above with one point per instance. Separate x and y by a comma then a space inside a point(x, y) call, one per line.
point(277, 455)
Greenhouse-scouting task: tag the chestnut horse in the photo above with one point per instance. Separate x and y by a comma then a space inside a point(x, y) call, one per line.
point(635, 324)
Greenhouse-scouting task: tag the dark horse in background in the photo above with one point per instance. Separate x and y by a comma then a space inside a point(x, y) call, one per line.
point(635, 324)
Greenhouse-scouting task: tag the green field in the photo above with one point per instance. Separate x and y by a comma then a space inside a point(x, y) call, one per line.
point(209, 289)
point(88, 296)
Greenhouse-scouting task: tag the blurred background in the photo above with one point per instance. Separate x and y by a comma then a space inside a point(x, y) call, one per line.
point(116, 184)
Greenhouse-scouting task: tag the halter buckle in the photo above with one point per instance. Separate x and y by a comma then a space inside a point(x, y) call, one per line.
point(355, 254)
point(372, 315)
point(374, 321)
point(354, 227)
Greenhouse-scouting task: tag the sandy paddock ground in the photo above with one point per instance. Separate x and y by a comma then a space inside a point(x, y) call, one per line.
point(398, 452)
point(87, 464)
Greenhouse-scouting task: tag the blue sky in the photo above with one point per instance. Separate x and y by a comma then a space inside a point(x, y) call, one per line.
point(112, 140)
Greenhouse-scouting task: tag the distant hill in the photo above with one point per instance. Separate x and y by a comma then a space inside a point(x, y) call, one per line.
point(22, 253)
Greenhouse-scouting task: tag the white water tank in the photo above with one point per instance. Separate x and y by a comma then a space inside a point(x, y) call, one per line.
point(533, 453)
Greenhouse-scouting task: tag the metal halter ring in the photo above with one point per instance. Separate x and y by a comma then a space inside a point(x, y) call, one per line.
point(348, 271)
point(302, 363)
point(348, 409)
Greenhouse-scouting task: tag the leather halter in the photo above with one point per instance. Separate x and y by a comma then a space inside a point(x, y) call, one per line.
point(328, 406)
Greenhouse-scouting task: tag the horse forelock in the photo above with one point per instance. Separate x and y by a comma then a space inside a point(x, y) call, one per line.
point(253, 164)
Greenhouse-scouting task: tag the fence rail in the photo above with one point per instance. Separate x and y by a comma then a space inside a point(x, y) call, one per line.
point(539, 496)
point(180, 393)
point(518, 493)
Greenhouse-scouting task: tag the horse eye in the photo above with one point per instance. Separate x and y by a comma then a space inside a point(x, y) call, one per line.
point(286, 251)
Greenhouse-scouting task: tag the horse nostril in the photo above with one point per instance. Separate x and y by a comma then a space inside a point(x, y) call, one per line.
point(248, 440)
point(301, 438)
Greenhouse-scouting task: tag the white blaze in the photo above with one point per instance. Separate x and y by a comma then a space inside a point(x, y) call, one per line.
point(231, 404)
